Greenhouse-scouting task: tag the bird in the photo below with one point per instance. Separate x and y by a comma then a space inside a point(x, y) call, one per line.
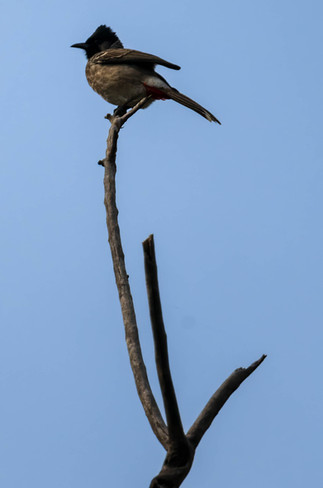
point(123, 77)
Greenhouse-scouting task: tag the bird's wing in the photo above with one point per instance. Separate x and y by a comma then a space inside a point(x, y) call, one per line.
point(125, 56)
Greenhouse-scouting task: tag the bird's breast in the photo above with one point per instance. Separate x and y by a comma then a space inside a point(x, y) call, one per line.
point(117, 84)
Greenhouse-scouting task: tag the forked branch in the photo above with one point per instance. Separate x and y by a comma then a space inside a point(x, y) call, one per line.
point(180, 447)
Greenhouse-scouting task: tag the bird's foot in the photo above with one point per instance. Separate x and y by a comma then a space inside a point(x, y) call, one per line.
point(120, 111)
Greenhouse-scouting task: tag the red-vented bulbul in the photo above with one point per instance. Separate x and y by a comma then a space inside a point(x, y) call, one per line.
point(124, 76)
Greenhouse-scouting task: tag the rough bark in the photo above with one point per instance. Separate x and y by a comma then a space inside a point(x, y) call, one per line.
point(127, 308)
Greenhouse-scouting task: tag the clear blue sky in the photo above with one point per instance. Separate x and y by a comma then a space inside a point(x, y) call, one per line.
point(237, 215)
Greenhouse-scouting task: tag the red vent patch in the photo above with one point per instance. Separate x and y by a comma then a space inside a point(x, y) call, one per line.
point(156, 93)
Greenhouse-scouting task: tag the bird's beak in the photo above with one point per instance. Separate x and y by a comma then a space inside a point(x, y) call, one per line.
point(80, 45)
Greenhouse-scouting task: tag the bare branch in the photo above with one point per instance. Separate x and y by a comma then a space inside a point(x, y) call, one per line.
point(135, 109)
point(129, 318)
point(216, 402)
point(174, 423)
point(180, 447)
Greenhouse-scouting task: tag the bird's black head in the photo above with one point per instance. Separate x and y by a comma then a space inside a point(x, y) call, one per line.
point(101, 40)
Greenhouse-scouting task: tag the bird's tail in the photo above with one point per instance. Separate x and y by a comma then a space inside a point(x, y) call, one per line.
point(188, 102)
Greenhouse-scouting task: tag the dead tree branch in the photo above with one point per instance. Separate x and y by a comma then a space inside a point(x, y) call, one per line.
point(128, 312)
point(174, 423)
point(180, 447)
point(216, 402)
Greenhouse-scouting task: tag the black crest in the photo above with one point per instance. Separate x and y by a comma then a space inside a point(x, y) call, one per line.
point(103, 34)
point(102, 39)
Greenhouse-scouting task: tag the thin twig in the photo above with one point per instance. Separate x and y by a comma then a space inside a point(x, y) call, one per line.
point(129, 318)
point(174, 423)
point(120, 120)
